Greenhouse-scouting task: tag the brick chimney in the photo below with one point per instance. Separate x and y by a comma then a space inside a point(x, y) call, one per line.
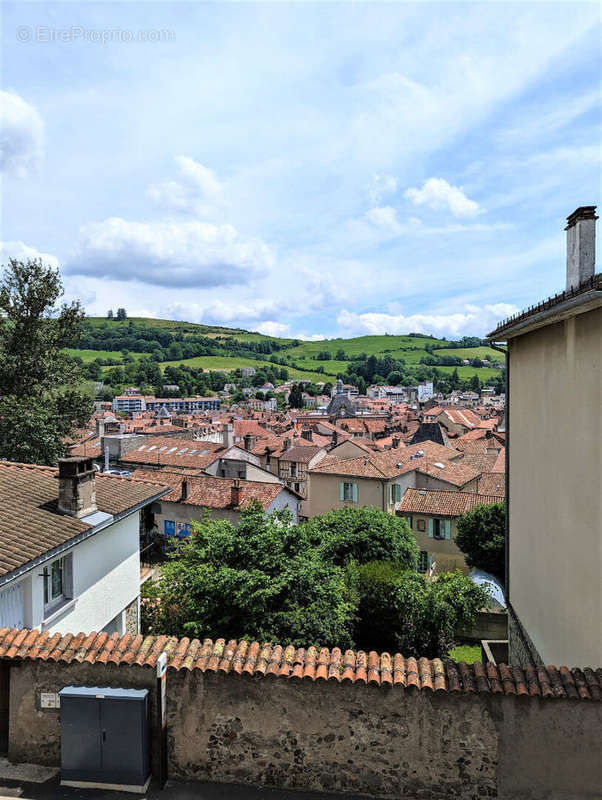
point(395, 442)
point(580, 245)
point(236, 493)
point(77, 486)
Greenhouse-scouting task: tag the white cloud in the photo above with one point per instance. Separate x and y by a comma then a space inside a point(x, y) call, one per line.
point(272, 328)
point(473, 320)
point(197, 192)
point(23, 252)
point(437, 193)
point(21, 135)
point(384, 217)
point(185, 254)
point(381, 185)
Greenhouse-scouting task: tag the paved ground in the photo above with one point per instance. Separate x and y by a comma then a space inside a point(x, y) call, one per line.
point(51, 790)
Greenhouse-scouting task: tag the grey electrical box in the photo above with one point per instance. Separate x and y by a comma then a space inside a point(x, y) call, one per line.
point(105, 737)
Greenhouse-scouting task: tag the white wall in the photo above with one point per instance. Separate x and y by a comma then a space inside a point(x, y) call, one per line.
point(106, 579)
point(286, 499)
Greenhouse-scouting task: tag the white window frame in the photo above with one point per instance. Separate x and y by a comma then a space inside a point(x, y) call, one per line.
point(63, 567)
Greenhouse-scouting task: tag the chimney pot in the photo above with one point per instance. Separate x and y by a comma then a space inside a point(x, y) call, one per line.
point(184, 490)
point(77, 486)
point(580, 246)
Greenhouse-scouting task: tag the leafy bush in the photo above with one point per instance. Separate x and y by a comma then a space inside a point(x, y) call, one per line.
point(481, 537)
point(362, 534)
point(399, 610)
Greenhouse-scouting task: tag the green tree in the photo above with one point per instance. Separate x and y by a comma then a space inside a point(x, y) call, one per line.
point(454, 381)
point(363, 534)
point(481, 537)
point(295, 399)
point(399, 610)
point(261, 580)
point(42, 402)
point(110, 314)
point(121, 313)
point(475, 384)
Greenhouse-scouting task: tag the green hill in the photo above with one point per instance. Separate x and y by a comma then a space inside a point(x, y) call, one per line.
point(146, 349)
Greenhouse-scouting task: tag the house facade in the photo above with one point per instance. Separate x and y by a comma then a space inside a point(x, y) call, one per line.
point(432, 516)
point(69, 548)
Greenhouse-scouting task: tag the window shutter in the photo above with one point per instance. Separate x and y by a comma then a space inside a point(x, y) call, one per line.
point(397, 493)
point(68, 576)
point(447, 529)
point(355, 492)
point(341, 491)
point(430, 559)
point(391, 500)
point(431, 528)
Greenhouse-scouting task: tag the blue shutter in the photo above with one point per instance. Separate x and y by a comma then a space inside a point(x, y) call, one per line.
point(391, 500)
point(341, 491)
point(354, 492)
point(398, 493)
point(447, 529)
point(169, 527)
point(431, 528)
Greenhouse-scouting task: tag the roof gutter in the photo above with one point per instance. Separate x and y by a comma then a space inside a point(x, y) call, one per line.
point(506, 353)
point(62, 548)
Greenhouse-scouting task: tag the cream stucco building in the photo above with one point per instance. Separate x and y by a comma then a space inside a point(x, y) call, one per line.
point(554, 413)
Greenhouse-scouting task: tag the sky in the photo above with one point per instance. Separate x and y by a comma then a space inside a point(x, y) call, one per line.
point(301, 169)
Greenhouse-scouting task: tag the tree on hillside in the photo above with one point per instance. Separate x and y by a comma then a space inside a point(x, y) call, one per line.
point(295, 399)
point(475, 384)
point(121, 313)
point(41, 402)
point(110, 314)
point(481, 537)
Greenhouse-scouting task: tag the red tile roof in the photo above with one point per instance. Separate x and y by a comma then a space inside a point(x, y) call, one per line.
point(446, 504)
point(384, 464)
point(209, 492)
point(492, 483)
point(172, 452)
point(245, 659)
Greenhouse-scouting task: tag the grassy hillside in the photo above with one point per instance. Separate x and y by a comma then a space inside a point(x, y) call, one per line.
point(217, 348)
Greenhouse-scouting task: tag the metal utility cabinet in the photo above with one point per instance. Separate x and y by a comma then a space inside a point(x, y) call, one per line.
point(105, 739)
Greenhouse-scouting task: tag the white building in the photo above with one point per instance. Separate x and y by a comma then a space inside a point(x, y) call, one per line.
point(70, 548)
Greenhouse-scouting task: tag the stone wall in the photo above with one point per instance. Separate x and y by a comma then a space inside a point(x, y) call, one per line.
point(132, 617)
point(521, 649)
point(349, 738)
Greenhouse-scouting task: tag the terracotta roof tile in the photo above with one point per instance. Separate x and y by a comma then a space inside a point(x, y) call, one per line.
point(273, 661)
point(447, 504)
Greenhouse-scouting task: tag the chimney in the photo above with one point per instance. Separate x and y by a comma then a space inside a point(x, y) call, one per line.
point(228, 435)
point(248, 440)
point(236, 493)
point(184, 495)
point(335, 438)
point(77, 486)
point(286, 444)
point(307, 434)
point(580, 245)
point(395, 442)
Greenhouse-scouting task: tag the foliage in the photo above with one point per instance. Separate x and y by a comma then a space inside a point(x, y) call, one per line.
point(481, 537)
point(362, 534)
point(42, 401)
point(466, 652)
point(261, 580)
point(399, 610)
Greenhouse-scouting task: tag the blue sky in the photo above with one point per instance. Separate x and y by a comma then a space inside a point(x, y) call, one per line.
point(306, 169)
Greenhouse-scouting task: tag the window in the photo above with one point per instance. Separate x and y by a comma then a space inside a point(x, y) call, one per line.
point(296, 487)
point(420, 525)
point(394, 493)
point(348, 492)
point(410, 521)
point(440, 528)
point(423, 561)
point(169, 527)
point(183, 529)
point(58, 583)
point(293, 470)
